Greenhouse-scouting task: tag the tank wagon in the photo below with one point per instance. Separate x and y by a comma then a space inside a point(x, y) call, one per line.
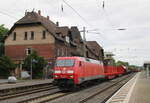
point(74, 71)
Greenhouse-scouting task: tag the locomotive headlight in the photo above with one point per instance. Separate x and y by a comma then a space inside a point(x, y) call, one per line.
point(56, 76)
point(57, 71)
point(71, 76)
point(70, 71)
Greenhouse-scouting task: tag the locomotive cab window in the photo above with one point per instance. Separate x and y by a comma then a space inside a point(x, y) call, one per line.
point(61, 63)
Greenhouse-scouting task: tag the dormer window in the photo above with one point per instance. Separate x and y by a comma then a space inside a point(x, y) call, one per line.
point(58, 34)
point(14, 36)
point(67, 39)
point(63, 36)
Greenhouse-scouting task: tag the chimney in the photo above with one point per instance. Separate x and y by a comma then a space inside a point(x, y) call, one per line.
point(39, 12)
point(25, 12)
point(47, 17)
point(57, 23)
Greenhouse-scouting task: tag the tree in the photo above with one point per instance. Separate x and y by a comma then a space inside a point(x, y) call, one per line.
point(6, 66)
point(1, 49)
point(133, 67)
point(38, 63)
point(3, 32)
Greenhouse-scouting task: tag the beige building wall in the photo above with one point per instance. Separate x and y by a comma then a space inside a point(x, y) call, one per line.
point(20, 32)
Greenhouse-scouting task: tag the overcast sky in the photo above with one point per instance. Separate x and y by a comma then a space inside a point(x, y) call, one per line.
point(131, 45)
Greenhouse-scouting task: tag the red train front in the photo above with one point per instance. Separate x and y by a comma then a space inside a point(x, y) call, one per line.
point(72, 71)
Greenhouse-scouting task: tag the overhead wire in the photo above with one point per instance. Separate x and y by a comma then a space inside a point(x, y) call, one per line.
point(82, 18)
point(9, 13)
point(77, 12)
point(106, 14)
point(6, 14)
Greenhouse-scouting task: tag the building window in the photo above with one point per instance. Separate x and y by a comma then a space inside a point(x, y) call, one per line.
point(32, 35)
point(25, 35)
point(28, 51)
point(14, 36)
point(58, 52)
point(62, 52)
point(44, 35)
point(87, 54)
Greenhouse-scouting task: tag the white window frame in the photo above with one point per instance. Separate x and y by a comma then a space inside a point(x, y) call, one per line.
point(27, 51)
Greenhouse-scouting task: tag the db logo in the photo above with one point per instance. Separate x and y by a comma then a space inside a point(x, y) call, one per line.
point(64, 70)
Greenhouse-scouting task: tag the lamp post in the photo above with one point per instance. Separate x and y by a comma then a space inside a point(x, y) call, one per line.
point(21, 63)
point(31, 69)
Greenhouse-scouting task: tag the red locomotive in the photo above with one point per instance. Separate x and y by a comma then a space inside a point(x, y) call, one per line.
point(73, 71)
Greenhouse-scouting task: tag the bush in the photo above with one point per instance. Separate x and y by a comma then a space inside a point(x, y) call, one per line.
point(6, 66)
point(38, 63)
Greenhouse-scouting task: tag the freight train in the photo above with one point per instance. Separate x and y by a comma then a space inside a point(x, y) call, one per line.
point(74, 71)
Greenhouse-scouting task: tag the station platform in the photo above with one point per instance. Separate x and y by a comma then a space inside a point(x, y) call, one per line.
point(137, 90)
point(3, 81)
point(22, 83)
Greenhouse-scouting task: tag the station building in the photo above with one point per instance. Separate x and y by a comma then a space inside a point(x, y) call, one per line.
point(35, 32)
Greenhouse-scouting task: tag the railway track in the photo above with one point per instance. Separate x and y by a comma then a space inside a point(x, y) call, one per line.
point(49, 93)
point(115, 86)
point(9, 91)
point(106, 92)
point(26, 92)
point(101, 92)
point(46, 98)
point(11, 96)
point(26, 98)
point(32, 93)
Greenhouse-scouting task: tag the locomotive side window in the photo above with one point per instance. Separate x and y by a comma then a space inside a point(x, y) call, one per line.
point(60, 63)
